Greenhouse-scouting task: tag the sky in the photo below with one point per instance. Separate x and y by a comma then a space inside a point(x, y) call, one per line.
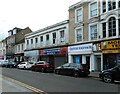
point(35, 14)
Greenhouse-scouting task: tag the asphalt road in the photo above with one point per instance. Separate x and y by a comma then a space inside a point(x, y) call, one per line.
point(50, 82)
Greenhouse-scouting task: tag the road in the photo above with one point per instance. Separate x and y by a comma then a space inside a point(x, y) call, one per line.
point(50, 82)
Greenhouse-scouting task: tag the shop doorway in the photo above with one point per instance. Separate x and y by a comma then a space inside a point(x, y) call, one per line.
point(88, 62)
point(98, 62)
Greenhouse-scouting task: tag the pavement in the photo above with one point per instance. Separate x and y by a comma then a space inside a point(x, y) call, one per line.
point(94, 74)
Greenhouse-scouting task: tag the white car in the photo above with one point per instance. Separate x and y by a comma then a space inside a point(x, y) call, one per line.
point(25, 65)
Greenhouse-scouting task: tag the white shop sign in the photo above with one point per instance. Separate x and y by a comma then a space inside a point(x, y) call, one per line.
point(80, 48)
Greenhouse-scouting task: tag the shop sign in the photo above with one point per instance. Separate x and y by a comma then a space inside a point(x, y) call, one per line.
point(54, 51)
point(51, 51)
point(80, 48)
point(97, 47)
point(113, 44)
point(32, 53)
point(111, 51)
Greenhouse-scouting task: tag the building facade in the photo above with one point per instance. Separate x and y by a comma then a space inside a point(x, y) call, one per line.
point(15, 37)
point(49, 44)
point(95, 26)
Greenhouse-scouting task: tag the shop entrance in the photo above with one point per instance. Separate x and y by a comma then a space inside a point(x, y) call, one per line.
point(88, 62)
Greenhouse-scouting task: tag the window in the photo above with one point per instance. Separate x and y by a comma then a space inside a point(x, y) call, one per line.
point(62, 34)
point(79, 35)
point(36, 40)
point(79, 15)
point(31, 41)
point(47, 37)
point(112, 27)
point(18, 48)
point(93, 32)
point(118, 4)
point(93, 9)
point(41, 38)
point(22, 47)
point(119, 25)
point(54, 38)
point(104, 29)
point(104, 6)
point(27, 42)
point(111, 5)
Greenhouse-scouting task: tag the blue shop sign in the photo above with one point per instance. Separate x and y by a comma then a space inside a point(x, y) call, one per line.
point(51, 51)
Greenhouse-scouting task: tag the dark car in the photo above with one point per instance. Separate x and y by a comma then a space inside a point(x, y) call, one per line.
point(110, 75)
point(11, 64)
point(72, 69)
point(42, 66)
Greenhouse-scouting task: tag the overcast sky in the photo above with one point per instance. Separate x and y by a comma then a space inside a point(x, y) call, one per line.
point(35, 14)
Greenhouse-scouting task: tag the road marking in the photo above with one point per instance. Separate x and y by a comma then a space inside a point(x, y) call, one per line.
point(38, 91)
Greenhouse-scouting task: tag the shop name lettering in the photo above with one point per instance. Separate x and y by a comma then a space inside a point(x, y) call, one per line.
point(114, 44)
point(80, 48)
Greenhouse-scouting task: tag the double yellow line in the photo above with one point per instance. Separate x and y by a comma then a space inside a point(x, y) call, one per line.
point(38, 91)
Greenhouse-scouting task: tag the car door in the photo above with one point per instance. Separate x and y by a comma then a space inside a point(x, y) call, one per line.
point(117, 73)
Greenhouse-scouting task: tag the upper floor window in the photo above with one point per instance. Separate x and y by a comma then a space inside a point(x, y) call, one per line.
point(111, 5)
point(54, 38)
point(119, 3)
point(22, 47)
point(103, 6)
point(79, 35)
point(47, 37)
point(31, 41)
point(93, 32)
point(18, 48)
point(62, 34)
point(36, 40)
point(93, 9)
point(119, 25)
point(79, 15)
point(41, 39)
point(112, 27)
point(104, 29)
point(27, 42)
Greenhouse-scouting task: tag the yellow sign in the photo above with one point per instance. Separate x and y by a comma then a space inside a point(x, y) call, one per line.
point(113, 44)
point(111, 51)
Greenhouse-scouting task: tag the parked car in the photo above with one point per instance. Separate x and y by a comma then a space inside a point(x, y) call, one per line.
point(4, 63)
point(11, 64)
point(72, 69)
point(25, 65)
point(42, 66)
point(110, 75)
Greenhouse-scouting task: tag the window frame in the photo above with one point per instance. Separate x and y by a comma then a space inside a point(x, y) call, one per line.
point(95, 38)
point(94, 9)
point(76, 36)
point(76, 16)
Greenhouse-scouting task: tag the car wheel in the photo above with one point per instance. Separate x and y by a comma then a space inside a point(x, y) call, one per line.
point(42, 70)
point(57, 72)
point(76, 74)
point(107, 78)
point(24, 67)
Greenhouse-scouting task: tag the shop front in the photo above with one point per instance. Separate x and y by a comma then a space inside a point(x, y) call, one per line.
point(19, 57)
point(55, 56)
point(82, 54)
point(98, 56)
point(32, 55)
point(111, 53)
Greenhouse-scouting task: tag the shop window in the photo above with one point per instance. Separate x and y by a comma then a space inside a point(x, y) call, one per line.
point(104, 29)
point(112, 27)
point(111, 5)
point(104, 6)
